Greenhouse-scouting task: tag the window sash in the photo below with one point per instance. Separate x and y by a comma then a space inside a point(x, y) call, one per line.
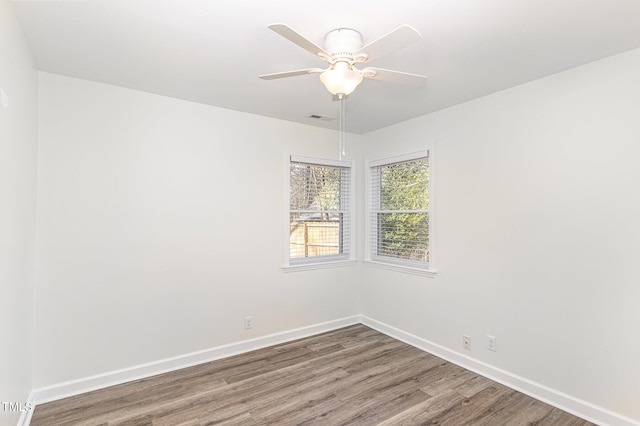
point(319, 211)
point(386, 243)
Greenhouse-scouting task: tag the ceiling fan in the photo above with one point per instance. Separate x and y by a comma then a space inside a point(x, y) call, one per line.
point(343, 50)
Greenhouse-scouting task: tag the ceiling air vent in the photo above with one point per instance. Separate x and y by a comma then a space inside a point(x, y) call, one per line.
point(321, 117)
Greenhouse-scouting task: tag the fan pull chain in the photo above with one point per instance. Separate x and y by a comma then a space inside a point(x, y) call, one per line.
point(343, 132)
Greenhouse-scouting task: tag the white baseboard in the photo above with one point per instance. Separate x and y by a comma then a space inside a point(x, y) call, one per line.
point(568, 403)
point(25, 417)
point(99, 381)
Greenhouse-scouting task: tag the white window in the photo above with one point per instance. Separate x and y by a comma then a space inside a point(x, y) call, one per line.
point(399, 212)
point(320, 216)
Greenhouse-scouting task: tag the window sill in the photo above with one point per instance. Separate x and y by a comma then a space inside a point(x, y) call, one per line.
point(431, 273)
point(319, 265)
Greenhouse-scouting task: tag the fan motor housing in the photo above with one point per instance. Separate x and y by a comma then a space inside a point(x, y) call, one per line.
point(342, 43)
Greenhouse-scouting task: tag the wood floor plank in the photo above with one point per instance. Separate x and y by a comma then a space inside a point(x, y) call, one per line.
point(472, 386)
point(425, 412)
point(454, 379)
point(558, 417)
point(466, 410)
point(351, 376)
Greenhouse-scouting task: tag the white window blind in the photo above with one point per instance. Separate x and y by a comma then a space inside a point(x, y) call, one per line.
point(399, 211)
point(319, 211)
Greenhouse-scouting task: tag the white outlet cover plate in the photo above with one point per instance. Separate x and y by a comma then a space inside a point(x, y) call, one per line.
point(492, 343)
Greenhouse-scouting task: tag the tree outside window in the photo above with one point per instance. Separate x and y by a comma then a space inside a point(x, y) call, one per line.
point(400, 211)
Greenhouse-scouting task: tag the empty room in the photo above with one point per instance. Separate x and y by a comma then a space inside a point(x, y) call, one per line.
point(335, 213)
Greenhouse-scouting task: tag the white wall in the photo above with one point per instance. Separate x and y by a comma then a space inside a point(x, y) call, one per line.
point(161, 226)
point(538, 233)
point(18, 140)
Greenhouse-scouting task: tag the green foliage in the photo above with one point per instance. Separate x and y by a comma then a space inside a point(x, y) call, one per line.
point(403, 222)
point(405, 186)
point(314, 187)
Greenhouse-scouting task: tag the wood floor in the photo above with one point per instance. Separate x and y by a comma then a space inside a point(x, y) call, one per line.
point(351, 376)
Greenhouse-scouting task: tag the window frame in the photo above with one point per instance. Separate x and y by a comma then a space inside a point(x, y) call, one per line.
point(371, 234)
point(348, 247)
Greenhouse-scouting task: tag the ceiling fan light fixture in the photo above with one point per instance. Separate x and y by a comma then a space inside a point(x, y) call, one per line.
point(341, 78)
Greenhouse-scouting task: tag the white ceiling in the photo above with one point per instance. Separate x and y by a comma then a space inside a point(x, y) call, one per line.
point(211, 51)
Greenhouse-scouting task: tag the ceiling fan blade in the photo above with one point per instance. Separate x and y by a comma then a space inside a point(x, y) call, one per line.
point(394, 76)
point(394, 40)
point(290, 73)
point(297, 38)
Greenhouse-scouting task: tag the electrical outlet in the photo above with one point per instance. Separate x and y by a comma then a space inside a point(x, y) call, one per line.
point(492, 343)
point(248, 322)
point(466, 342)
